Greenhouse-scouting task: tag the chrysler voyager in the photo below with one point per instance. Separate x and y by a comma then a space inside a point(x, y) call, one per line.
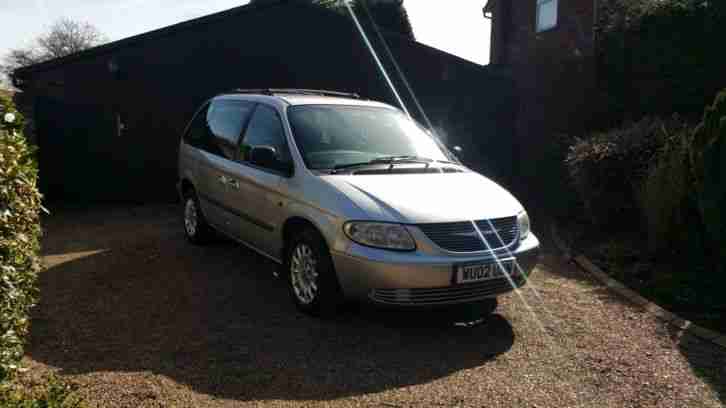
point(354, 199)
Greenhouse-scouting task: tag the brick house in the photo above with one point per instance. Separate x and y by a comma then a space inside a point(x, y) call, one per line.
point(548, 48)
point(524, 29)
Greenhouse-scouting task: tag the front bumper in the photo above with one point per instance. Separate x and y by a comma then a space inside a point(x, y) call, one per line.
point(424, 279)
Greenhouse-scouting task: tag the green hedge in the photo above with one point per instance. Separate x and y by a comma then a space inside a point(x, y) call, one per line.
point(659, 57)
point(708, 166)
point(20, 205)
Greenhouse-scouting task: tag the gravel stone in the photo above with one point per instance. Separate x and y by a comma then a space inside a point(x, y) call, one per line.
point(137, 317)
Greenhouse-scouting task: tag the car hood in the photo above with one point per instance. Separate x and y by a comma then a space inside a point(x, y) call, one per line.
point(427, 198)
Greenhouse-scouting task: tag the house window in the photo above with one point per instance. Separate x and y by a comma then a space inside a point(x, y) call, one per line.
point(546, 14)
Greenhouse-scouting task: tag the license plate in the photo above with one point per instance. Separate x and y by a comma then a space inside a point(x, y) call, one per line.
point(483, 272)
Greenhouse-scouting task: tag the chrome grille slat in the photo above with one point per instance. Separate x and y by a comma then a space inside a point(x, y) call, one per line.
point(450, 294)
point(457, 289)
point(453, 236)
point(454, 297)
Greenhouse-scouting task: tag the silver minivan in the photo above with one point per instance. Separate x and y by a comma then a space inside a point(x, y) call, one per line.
point(354, 199)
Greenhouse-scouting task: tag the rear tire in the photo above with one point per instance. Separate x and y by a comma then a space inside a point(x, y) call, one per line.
point(310, 275)
point(196, 228)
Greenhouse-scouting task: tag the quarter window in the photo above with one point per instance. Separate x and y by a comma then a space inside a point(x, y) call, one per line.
point(265, 129)
point(198, 134)
point(546, 14)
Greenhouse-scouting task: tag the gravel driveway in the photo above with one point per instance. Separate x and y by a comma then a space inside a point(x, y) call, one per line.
point(138, 317)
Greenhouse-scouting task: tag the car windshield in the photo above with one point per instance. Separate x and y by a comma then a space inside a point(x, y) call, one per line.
point(331, 136)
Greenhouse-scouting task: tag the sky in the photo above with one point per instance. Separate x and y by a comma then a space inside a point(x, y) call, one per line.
point(455, 26)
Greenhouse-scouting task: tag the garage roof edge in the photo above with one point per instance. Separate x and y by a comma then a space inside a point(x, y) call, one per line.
point(23, 72)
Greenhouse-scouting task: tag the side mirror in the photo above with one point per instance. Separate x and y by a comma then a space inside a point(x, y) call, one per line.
point(456, 152)
point(266, 156)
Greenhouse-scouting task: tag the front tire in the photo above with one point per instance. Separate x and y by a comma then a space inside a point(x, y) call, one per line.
point(311, 278)
point(196, 228)
point(489, 306)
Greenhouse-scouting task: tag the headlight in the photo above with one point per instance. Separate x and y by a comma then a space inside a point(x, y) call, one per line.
point(523, 223)
point(380, 235)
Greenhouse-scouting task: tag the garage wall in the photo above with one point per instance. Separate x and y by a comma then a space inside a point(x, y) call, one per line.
point(154, 84)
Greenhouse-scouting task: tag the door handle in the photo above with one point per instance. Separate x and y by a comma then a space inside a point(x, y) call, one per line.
point(229, 181)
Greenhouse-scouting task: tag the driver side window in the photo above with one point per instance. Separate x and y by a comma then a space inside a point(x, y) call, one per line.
point(265, 129)
point(226, 119)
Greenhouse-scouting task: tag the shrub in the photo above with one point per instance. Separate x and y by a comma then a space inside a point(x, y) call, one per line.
point(607, 168)
point(7, 107)
point(50, 392)
point(664, 193)
point(19, 238)
point(708, 166)
point(549, 174)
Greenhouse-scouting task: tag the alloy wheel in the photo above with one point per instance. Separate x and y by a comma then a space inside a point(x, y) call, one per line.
point(191, 217)
point(304, 274)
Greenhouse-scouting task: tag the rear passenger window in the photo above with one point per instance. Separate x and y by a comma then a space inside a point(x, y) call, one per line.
point(265, 129)
point(226, 120)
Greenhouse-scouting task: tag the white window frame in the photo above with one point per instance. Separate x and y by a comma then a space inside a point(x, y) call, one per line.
point(540, 28)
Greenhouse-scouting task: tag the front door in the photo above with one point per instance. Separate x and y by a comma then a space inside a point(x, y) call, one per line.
point(257, 189)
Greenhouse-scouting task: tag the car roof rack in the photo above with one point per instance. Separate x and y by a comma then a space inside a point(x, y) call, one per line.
point(275, 91)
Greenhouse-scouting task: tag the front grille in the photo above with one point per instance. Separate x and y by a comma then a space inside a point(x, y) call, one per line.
point(442, 296)
point(462, 237)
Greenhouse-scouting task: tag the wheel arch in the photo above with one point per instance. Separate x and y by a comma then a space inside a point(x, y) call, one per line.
point(293, 224)
point(186, 187)
point(297, 223)
point(323, 227)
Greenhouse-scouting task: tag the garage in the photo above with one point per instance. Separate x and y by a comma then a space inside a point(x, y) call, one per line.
point(108, 119)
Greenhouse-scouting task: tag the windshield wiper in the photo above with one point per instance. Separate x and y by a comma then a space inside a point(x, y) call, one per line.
point(390, 160)
point(448, 162)
point(402, 159)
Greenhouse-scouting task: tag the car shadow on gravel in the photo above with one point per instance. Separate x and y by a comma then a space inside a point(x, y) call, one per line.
point(215, 319)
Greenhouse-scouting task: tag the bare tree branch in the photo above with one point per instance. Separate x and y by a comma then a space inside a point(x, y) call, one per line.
point(63, 38)
point(15, 59)
point(67, 37)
